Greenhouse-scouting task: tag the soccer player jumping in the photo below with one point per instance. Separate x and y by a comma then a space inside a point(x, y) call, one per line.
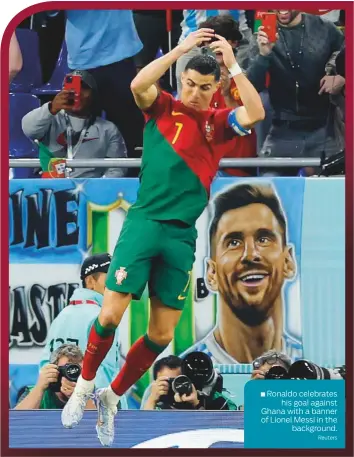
point(183, 144)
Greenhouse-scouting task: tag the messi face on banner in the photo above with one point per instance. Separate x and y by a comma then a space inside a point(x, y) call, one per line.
point(251, 259)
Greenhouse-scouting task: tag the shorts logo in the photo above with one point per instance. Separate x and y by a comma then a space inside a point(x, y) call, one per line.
point(120, 275)
point(182, 296)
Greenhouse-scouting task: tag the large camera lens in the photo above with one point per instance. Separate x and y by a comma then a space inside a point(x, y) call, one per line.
point(198, 366)
point(69, 79)
point(302, 369)
point(71, 371)
point(182, 385)
point(276, 372)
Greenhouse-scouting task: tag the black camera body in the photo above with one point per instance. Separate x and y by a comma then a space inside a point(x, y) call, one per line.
point(70, 371)
point(181, 385)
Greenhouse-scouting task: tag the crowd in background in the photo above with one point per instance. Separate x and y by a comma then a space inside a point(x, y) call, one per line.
point(301, 81)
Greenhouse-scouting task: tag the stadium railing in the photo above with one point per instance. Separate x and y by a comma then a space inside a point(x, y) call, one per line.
point(135, 163)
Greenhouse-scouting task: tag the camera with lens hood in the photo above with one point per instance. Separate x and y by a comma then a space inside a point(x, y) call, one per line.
point(70, 371)
point(303, 369)
point(198, 371)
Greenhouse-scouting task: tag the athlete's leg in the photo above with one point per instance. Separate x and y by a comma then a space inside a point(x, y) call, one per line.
point(140, 357)
point(102, 332)
point(143, 353)
point(127, 277)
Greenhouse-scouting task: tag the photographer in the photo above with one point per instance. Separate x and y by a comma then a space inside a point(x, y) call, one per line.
point(188, 384)
point(164, 369)
point(56, 381)
point(270, 359)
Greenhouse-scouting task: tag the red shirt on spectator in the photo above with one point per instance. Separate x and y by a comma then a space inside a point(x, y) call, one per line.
point(240, 147)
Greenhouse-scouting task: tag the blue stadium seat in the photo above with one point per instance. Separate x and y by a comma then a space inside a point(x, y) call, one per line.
point(55, 84)
point(19, 145)
point(31, 74)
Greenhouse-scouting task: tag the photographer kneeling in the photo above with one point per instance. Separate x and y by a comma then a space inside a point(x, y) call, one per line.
point(188, 384)
point(56, 381)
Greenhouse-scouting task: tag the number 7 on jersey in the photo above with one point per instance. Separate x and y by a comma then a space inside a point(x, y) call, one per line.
point(179, 126)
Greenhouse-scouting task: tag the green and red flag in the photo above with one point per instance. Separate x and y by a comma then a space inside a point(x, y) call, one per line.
point(52, 167)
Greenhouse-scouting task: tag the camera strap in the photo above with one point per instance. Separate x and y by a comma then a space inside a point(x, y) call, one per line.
point(69, 136)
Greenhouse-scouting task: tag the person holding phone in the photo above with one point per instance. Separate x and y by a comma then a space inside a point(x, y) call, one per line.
point(227, 95)
point(69, 126)
point(294, 49)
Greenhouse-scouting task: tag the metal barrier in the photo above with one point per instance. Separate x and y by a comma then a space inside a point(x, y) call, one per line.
point(136, 163)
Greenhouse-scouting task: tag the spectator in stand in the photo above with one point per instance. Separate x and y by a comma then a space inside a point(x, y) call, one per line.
point(299, 88)
point(227, 95)
point(42, 396)
point(151, 26)
point(105, 42)
point(15, 58)
point(191, 21)
point(60, 126)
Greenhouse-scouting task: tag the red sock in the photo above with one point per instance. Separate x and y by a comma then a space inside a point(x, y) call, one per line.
point(99, 343)
point(139, 359)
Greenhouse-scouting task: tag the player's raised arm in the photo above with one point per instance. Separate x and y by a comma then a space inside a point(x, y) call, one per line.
point(252, 110)
point(143, 85)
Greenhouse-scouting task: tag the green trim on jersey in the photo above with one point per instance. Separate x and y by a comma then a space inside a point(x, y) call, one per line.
point(169, 189)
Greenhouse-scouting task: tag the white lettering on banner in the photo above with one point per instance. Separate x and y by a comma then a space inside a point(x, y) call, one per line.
point(195, 439)
point(38, 292)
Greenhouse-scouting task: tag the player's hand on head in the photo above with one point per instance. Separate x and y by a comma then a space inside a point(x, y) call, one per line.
point(196, 39)
point(67, 387)
point(225, 49)
point(264, 45)
point(48, 374)
point(225, 81)
point(159, 388)
point(257, 374)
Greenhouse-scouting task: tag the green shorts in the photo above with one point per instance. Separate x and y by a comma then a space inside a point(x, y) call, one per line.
point(158, 253)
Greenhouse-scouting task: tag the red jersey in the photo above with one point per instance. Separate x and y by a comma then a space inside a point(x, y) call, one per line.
point(239, 147)
point(181, 154)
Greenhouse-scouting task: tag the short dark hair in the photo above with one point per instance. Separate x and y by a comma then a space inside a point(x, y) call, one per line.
point(205, 65)
point(94, 275)
point(242, 195)
point(172, 361)
point(224, 25)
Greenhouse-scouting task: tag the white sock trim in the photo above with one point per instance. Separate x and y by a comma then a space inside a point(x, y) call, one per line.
point(112, 397)
point(86, 385)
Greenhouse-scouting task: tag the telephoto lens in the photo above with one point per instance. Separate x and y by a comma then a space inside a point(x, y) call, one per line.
point(303, 369)
point(198, 367)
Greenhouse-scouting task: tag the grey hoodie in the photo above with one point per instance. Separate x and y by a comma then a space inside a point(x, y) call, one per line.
point(102, 140)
